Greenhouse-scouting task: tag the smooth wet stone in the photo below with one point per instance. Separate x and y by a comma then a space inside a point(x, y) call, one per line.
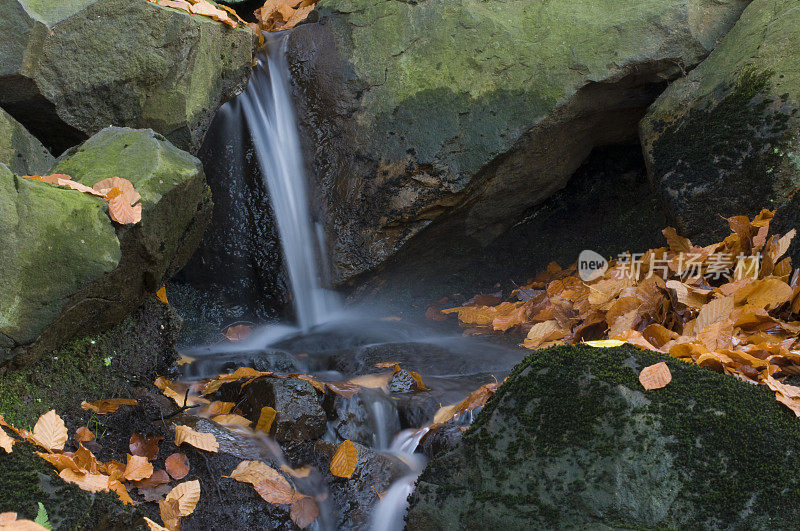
point(300, 416)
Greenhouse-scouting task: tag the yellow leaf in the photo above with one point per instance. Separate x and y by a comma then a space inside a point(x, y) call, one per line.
point(655, 376)
point(344, 461)
point(187, 494)
point(87, 482)
point(265, 419)
point(201, 441)
point(138, 468)
point(714, 311)
point(232, 420)
point(543, 332)
point(372, 381)
point(151, 525)
point(254, 472)
point(161, 294)
point(50, 432)
point(109, 405)
point(605, 343)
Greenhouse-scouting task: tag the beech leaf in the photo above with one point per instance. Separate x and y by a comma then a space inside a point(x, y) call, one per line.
point(655, 376)
point(345, 460)
point(201, 441)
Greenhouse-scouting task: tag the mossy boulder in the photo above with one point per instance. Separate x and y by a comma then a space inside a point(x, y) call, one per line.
point(445, 120)
point(725, 139)
point(69, 68)
point(74, 272)
point(20, 151)
point(572, 440)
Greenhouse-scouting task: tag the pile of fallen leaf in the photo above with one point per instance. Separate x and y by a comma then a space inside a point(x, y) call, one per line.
point(121, 196)
point(733, 306)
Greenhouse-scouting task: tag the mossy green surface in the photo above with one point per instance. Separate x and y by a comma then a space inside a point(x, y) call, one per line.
point(725, 139)
point(573, 440)
point(53, 243)
point(20, 150)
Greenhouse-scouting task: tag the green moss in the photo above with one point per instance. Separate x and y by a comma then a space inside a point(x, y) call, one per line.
point(572, 439)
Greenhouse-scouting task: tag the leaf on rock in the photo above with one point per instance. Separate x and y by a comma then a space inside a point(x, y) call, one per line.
point(201, 441)
point(170, 513)
point(161, 294)
point(372, 381)
point(344, 389)
point(187, 495)
point(303, 512)
point(50, 432)
point(123, 185)
point(345, 460)
point(605, 343)
point(265, 419)
point(151, 525)
point(109, 405)
point(120, 210)
point(10, 522)
point(277, 491)
point(86, 460)
point(177, 465)
point(232, 420)
point(655, 376)
point(138, 468)
point(254, 472)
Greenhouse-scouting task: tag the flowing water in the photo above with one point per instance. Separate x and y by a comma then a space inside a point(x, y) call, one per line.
point(327, 341)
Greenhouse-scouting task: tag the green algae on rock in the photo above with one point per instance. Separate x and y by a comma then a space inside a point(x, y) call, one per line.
point(110, 279)
point(69, 68)
point(20, 151)
point(446, 120)
point(726, 138)
point(571, 439)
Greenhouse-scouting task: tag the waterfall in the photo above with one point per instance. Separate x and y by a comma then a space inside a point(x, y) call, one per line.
point(269, 110)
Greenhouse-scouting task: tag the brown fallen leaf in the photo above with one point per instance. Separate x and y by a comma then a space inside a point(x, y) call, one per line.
point(655, 376)
point(253, 472)
point(277, 491)
point(87, 482)
point(120, 210)
point(344, 389)
point(50, 432)
point(177, 465)
point(345, 460)
point(123, 185)
point(6, 441)
point(83, 434)
point(200, 440)
point(138, 468)
point(237, 332)
point(86, 460)
point(302, 472)
point(109, 405)
point(144, 446)
point(265, 419)
point(121, 492)
point(187, 495)
point(170, 511)
point(303, 512)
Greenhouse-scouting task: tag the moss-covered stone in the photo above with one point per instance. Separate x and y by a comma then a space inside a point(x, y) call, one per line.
point(726, 138)
point(447, 119)
point(69, 68)
point(87, 286)
point(572, 440)
point(21, 151)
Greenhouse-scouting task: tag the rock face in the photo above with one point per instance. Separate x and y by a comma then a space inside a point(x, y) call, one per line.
point(92, 272)
point(69, 68)
point(300, 415)
point(444, 121)
point(726, 138)
point(572, 440)
point(20, 151)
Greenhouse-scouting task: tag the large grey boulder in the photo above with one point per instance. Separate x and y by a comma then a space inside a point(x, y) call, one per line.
point(572, 440)
point(69, 68)
point(67, 268)
point(436, 123)
point(725, 139)
point(20, 151)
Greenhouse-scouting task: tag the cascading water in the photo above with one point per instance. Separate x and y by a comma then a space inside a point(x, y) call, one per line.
point(269, 111)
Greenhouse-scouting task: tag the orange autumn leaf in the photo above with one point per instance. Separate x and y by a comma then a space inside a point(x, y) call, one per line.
point(201, 441)
point(176, 4)
point(277, 491)
point(655, 376)
point(232, 420)
point(61, 461)
point(6, 441)
point(177, 465)
point(254, 472)
point(345, 460)
point(138, 468)
point(170, 511)
point(121, 491)
point(61, 179)
point(120, 210)
point(109, 405)
point(50, 432)
point(303, 512)
point(265, 419)
point(10, 522)
point(151, 525)
point(83, 434)
point(123, 185)
point(187, 495)
point(86, 460)
point(161, 294)
point(87, 482)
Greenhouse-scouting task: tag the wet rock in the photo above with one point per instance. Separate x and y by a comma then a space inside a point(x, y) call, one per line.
point(104, 270)
point(442, 439)
point(571, 440)
point(300, 415)
point(725, 139)
point(369, 417)
point(61, 79)
point(20, 151)
point(428, 129)
point(352, 500)
point(402, 382)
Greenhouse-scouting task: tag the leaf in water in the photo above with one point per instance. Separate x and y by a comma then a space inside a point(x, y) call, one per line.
point(302, 472)
point(372, 381)
point(232, 420)
point(345, 460)
point(344, 389)
point(138, 468)
point(201, 441)
point(655, 376)
point(6, 441)
point(177, 465)
point(265, 419)
point(217, 408)
point(237, 333)
point(83, 434)
point(303, 512)
point(50, 432)
point(277, 491)
point(187, 494)
point(145, 446)
point(109, 405)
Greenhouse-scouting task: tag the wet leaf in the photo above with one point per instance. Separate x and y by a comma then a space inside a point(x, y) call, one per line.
point(277, 491)
point(345, 460)
point(201, 441)
point(177, 465)
point(109, 405)
point(138, 468)
point(83, 434)
point(344, 389)
point(144, 446)
point(303, 512)
point(655, 376)
point(87, 482)
point(254, 472)
point(265, 419)
point(187, 495)
point(237, 333)
point(50, 432)
point(161, 294)
point(123, 185)
point(232, 420)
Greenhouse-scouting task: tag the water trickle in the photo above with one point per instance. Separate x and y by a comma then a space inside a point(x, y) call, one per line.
point(269, 111)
